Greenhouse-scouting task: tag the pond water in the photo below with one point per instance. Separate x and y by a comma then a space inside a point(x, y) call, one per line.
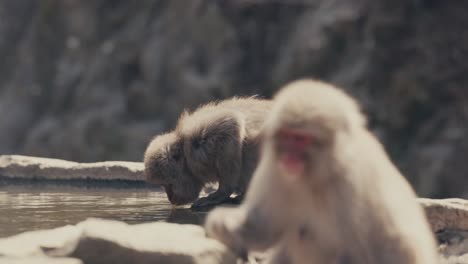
point(32, 207)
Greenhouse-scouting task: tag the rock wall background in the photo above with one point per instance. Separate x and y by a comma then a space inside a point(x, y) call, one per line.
point(95, 80)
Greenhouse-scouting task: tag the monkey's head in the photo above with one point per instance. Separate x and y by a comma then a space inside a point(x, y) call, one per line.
point(165, 165)
point(310, 125)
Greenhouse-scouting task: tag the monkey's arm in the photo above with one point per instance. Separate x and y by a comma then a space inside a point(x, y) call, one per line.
point(218, 197)
point(242, 229)
point(261, 220)
point(229, 173)
point(226, 140)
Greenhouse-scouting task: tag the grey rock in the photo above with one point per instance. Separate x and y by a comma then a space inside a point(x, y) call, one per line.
point(446, 214)
point(106, 241)
point(24, 167)
point(453, 246)
point(39, 260)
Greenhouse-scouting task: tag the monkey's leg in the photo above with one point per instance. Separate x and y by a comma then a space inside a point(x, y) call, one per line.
point(228, 180)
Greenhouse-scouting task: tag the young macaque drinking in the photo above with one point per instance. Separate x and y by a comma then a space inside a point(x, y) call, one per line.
point(218, 142)
point(325, 190)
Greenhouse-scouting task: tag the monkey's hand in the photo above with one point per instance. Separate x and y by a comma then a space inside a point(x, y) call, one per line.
point(236, 200)
point(223, 224)
point(211, 200)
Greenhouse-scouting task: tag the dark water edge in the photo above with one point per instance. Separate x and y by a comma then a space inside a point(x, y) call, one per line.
point(83, 183)
point(33, 204)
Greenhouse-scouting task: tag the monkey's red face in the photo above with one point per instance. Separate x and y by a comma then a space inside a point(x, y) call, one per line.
point(293, 149)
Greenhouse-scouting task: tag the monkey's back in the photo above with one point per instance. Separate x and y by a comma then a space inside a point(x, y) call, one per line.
point(253, 109)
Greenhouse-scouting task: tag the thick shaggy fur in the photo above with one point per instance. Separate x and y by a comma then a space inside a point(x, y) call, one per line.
point(218, 142)
point(349, 205)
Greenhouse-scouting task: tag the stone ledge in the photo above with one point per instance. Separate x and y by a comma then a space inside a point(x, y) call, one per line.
point(39, 260)
point(25, 167)
point(107, 241)
point(446, 214)
point(153, 242)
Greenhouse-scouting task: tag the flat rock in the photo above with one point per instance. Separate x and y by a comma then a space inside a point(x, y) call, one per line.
point(449, 221)
point(25, 167)
point(446, 214)
point(107, 241)
point(40, 260)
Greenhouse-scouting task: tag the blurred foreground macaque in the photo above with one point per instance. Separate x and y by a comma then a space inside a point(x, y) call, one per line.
point(218, 142)
point(325, 190)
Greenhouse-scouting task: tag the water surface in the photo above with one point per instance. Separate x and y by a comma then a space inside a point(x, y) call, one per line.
point(31, 207)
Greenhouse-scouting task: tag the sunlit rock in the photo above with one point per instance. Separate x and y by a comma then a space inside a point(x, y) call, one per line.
point(106, 241)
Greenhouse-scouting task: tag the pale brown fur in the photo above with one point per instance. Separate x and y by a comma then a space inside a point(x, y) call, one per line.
point(165, 164)
point(218, 142)
point(350, 204)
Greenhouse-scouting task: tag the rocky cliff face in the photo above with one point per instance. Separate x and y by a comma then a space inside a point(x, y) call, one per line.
point(95, 80)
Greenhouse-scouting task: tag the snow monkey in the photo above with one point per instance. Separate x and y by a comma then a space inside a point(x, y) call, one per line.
point(218, 142)
point(325, 190)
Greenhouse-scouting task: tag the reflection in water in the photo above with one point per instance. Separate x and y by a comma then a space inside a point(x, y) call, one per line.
point(25, 208)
